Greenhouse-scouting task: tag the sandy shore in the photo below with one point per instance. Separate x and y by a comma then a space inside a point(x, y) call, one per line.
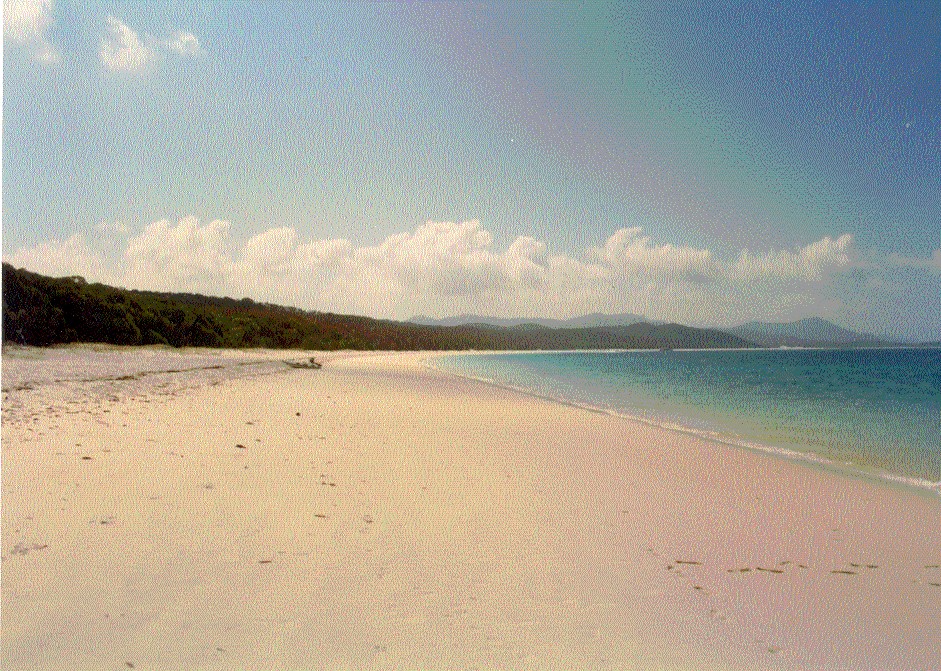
point(376, 514)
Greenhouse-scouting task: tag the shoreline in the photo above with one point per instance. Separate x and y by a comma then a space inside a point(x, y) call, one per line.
point(379, 514)
point(808, 459)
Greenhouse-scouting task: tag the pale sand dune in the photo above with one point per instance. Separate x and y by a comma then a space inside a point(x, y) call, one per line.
point(408, 519)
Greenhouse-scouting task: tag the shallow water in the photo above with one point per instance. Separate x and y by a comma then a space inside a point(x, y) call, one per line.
point(875, 410)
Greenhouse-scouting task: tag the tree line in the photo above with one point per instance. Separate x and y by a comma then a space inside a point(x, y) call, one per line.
point(41, 311)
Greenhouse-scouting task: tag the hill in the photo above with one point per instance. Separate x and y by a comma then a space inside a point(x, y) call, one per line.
point(812, 332)
point(40, 310)
point(584, 321)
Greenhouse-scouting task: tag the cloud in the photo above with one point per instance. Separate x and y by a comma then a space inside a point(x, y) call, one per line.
point(446, 268)
point(807, 263)
point(184, 44)
point(181, 257)
point(72, 256)
point(931, 263)
point(122, 49)
point(632, 252)
point(26, 24)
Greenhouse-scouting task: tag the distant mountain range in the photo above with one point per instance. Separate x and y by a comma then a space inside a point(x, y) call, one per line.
point(811, 332)
point(585, 321)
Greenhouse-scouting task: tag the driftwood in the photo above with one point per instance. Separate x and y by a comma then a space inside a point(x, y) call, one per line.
point(310, 363)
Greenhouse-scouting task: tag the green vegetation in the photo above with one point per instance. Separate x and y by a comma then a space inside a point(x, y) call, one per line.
point(39, 310)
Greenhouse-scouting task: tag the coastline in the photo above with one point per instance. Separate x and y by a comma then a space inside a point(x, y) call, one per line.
point(810, 459)
point(409, 518)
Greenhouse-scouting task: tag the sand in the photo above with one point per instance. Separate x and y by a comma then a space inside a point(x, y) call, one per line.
point(377, 514)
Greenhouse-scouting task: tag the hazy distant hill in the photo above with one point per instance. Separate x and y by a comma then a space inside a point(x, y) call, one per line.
point(585, 321)
point(644, 335)
point(812, 332)
point(39, 310)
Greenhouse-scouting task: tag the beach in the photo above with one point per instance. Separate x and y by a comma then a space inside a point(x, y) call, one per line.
point(379, 514)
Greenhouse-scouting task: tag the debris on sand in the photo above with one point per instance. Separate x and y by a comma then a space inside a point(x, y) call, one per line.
point(310, 363)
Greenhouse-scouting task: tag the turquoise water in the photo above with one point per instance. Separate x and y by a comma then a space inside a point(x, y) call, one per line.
point(876, 411)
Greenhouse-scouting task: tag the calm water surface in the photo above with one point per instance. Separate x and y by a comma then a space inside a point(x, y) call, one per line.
point(876, 410)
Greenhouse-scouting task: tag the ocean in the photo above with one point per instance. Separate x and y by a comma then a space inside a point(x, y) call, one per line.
point(874, 412)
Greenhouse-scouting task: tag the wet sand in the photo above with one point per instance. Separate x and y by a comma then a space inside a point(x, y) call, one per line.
point(377, 514)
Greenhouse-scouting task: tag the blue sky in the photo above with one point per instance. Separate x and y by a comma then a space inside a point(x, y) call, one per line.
point(698, 162)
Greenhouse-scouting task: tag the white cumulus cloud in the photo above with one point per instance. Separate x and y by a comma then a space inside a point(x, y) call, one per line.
point(632, 253)
point(446, 268)
point(184, 44)
point(122, 49)
point(64, 258)
point(807, 263)
point(182, 257)
point(26, 24)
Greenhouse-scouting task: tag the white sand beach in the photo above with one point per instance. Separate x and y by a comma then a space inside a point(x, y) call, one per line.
point(375, 514)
